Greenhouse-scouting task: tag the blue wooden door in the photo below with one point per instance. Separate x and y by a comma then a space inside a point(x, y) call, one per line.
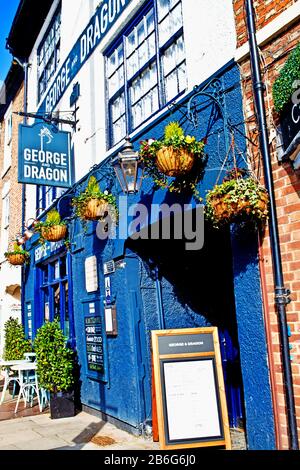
point(232, 378)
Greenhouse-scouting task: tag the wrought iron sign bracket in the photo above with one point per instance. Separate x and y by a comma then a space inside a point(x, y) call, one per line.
point(214, 91)
point(50, 119)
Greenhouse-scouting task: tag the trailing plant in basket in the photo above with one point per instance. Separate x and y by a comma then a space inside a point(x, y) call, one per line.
point(15, 343)
point(17, 256)
point(177, 155)
point(55, 361)
point(94, 204)
point(240, 198)
point(53, 228)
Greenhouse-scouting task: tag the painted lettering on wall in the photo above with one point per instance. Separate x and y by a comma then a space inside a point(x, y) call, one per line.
point(106, 15)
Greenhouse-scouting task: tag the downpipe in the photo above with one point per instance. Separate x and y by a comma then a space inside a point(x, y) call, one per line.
point(281, 293)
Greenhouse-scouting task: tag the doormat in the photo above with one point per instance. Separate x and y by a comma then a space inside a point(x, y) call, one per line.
point(102, 441)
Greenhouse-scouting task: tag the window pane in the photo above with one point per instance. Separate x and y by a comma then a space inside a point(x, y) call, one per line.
point(140, 29)
point(120, 55)
point(151, 45)
point(169, 59)
point(163, 8)
point(176, 19)
point(170, 25)
point(116, 81)
point(119, 130)
point(142, 54)
point(150, 21)
point(111, 63)
point(56, 292)
point(137, 114)
point(164, 31)
point(182, 78)
point(132, 65)
point(171, 86)
point(118, 107)
point(180, 51)
point(131, 43)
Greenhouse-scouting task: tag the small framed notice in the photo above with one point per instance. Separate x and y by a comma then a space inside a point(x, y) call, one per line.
point(189, 389)
point(111, 320)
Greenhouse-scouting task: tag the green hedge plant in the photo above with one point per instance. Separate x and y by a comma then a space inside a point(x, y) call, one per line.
point(15, 343)
point(283, 87)
point(55, 361)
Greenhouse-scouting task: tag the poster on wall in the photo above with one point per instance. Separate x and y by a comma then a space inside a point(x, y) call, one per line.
point(44, 156)
point(189, 389)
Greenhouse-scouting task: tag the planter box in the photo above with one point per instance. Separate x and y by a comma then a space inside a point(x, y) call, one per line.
point(62, 405)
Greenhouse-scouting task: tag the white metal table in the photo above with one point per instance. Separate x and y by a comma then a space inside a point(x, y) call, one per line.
point(7, 366)
point(26, 386)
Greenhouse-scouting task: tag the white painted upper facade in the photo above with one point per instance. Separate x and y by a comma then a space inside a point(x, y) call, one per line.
point(210, 42)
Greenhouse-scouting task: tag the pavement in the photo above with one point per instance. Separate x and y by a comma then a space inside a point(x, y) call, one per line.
point(28, 429)
point(82, 432)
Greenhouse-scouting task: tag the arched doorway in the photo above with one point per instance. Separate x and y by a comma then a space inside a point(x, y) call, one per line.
point(195, 288)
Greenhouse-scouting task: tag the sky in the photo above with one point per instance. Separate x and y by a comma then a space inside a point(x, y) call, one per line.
point(8, 9)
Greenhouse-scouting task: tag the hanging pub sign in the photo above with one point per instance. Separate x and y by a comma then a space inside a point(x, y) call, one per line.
point(44, 156)
point(189, 389)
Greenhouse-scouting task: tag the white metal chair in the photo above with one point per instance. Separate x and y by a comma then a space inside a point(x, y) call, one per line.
point(7, 380)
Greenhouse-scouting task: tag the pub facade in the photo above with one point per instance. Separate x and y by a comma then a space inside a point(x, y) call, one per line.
point(128, 67)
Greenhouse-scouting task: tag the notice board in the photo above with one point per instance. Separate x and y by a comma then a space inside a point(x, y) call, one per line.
point(94, 343)
point(189, 389)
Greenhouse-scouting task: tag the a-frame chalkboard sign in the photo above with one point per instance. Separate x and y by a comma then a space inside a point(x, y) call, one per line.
point(189, 389)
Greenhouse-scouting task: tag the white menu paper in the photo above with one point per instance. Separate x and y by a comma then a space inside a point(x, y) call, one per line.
point(191, 400)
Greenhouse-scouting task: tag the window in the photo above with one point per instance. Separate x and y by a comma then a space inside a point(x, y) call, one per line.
point(45, 196)
point(49, 54)
point(7, 142)
point(54, 294)
point(146, 67)
point(5, 218)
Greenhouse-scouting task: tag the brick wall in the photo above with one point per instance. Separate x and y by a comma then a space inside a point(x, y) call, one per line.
point(12, 174)
point(266, 11)
point(287, 193)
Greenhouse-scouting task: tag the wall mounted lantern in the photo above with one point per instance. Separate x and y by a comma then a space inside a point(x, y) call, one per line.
point(128, 168)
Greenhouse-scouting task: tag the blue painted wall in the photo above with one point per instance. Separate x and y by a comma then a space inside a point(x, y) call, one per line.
point(197, 289)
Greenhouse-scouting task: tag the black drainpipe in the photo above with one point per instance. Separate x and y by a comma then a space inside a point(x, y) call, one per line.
point(281, 293)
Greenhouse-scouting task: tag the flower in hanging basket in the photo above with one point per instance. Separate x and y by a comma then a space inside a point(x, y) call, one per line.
point(175, 154)
point(53, 229)
point(238, 199)
point(17, 256)
point(94, 204)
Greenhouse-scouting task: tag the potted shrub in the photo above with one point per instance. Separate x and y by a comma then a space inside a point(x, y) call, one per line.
point(175, 154)
point(18, 256)
point(55, 369)
point(94, 204)
point(53, 229)
point(15, 343)
point(239, 198)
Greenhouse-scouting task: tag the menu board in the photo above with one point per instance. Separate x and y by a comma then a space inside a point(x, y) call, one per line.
point(189, 389)
point(94, 343)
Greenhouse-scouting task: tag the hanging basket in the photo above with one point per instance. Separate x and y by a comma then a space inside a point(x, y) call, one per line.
point(55, 233)
point(228, 211)
point(95, 209)
point(174, 162)
point(17, 259)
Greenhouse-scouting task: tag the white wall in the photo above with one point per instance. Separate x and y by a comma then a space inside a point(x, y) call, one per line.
point(210, 41)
